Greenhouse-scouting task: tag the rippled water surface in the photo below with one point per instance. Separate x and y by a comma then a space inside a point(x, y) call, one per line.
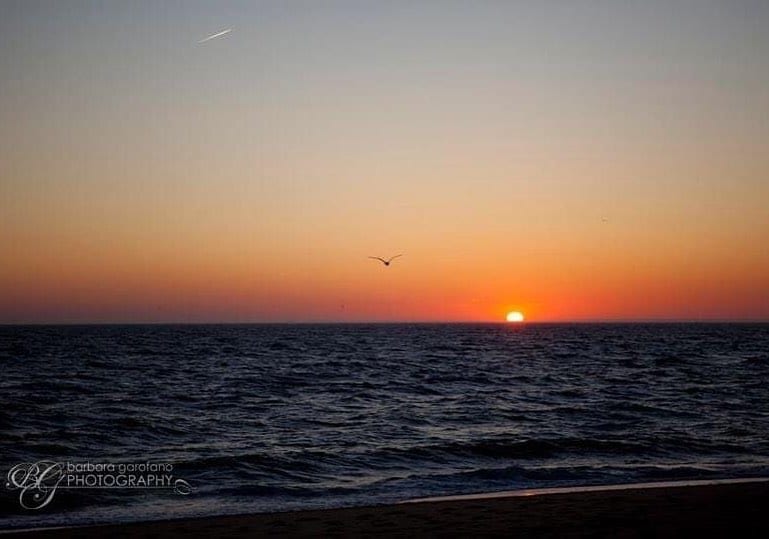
point(274, 417)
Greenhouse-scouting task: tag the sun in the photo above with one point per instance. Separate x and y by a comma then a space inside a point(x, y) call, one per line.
point(515, 316)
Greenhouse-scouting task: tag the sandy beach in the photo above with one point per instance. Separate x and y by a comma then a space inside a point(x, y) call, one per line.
point(711, 510)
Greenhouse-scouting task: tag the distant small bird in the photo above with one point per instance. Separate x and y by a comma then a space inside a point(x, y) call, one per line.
point(385, 262)
point(213, 36)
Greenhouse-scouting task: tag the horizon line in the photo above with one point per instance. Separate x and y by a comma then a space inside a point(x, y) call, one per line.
point(396, 322)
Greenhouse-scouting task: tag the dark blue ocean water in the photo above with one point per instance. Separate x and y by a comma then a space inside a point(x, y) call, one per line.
point(275, 417)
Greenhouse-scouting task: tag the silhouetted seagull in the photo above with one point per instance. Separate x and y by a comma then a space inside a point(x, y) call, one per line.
point(385, 262)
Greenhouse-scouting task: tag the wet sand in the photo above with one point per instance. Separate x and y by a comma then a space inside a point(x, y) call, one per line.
point(712, 510)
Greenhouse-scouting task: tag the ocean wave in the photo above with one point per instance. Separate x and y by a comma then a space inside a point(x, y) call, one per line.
point(296, 415)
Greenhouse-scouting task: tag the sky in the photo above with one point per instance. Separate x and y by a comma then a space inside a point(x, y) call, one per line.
point(573, 160)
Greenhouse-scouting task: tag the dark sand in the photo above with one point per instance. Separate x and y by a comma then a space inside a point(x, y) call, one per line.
point(721, 510)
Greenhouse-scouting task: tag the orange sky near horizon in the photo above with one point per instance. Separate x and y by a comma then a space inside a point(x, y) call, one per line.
point(522, 157)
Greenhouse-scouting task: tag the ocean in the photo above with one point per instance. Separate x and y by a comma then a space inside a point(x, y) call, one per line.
point(275, 417)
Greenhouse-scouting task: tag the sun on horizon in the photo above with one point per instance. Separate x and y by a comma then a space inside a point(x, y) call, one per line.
point(515, 316)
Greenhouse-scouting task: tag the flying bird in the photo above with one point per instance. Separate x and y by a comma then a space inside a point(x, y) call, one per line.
point(212, 36)
point(387, 261)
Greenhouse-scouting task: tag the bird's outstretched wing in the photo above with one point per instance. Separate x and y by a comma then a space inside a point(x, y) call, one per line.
point(393, 257)
point(380, 259)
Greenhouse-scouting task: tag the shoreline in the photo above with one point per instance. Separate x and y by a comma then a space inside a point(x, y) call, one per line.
point(669, 508)
point(548, 491)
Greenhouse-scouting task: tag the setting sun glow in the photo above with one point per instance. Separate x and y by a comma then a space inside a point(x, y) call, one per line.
point(533, 162)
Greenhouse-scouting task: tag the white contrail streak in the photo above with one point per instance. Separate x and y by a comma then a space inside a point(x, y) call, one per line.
point(227, 31)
